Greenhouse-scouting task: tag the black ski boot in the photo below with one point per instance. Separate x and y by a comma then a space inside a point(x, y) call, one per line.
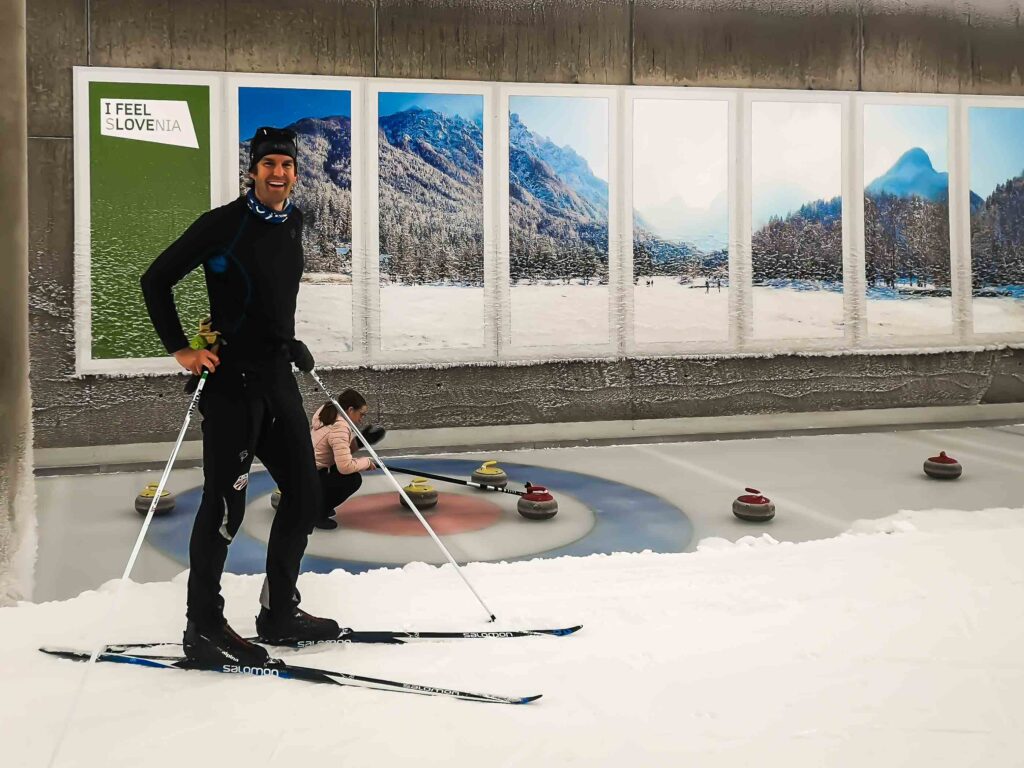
point(299, 627)
point(221, 645)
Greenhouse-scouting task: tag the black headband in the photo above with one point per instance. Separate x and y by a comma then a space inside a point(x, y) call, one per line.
point(271, 141)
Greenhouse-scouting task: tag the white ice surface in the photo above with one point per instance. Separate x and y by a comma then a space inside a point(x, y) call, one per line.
point(895, 645)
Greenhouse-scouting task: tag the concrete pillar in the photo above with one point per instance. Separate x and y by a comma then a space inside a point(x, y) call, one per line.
point(17, 495)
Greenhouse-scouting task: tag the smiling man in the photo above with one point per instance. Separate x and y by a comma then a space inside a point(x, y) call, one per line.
point(251, 254)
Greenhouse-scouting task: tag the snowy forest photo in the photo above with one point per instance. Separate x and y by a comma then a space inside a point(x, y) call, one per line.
point(431, 211)
point(797, 237)
point(997, 221)
point(558, 220)
point(906, 220)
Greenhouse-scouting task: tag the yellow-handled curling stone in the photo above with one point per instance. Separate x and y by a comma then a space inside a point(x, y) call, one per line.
point(489, 473)
point(145, 498)
point(420, 493)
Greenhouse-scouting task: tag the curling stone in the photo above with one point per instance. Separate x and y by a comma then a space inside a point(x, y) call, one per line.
point(753, 507)
point(943, 467)
point(275, 498)
point(537, 504)
point(144, 499)
point(421, 493)
point(489, 473)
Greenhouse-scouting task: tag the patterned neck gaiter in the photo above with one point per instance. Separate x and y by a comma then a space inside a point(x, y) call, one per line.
point(263, 212)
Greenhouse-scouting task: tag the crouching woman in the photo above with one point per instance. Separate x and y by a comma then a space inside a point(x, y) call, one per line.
point(333, 443)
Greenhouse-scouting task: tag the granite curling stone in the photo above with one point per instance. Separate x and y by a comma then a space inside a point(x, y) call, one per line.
point(489, 473)
point(145, 499)
point(537, 504)
point(943, 467)
point(753, 507)
point(421, 493)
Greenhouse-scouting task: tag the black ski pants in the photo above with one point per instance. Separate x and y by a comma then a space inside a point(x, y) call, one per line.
point(250, 413)
point(335, 488)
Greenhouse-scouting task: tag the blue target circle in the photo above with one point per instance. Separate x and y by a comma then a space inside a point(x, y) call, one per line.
point(626, 519)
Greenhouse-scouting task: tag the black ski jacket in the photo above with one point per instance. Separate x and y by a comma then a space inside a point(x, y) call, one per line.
point(252, 269)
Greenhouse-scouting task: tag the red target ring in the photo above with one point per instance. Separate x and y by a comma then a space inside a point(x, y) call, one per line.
point(382, 513)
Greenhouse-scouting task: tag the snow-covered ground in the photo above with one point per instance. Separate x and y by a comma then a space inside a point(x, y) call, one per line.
point(897, 644)
point(452, 317)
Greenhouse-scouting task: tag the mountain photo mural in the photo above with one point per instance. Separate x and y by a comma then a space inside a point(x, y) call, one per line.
point(797, 237)
point(906, 220)
point(322, 122)
point(431, 215)
point(997, 223)
point(680, 190)
point(558, 220)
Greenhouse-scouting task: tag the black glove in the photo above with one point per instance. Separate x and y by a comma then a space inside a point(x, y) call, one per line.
point(299, 354)
point(373, 433)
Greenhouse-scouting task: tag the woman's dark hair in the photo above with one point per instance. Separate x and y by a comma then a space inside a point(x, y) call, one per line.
point(347, 399)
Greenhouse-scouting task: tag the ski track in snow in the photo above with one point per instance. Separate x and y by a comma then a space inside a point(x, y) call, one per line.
point(895, 644)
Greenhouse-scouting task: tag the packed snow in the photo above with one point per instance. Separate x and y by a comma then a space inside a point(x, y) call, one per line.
point(896, 644)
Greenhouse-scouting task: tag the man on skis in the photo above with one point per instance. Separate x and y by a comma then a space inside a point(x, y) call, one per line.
point(251, 254)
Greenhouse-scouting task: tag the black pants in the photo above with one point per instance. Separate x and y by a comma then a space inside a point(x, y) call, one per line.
point(250, 413)
point(335, 488)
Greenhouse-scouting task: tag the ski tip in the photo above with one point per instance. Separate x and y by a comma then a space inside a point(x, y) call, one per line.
point(528, 699)
point(66, 653)
point(568, 630)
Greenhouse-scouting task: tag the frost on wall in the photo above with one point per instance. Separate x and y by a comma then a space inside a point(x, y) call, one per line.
point(17, 519)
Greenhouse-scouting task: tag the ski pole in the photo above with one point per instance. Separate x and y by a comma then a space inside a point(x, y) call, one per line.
point(401, 492)
point(457, 481)
point(131, 560)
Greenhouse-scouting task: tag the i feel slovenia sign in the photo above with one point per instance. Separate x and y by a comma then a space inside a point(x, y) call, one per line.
point(144, 159)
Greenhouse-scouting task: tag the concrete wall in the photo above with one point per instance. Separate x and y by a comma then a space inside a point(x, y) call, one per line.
point(948, 47)
point(17, 518)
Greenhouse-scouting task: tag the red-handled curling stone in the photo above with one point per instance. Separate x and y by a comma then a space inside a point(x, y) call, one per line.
point(943, 467)
point(754, 507)
point(537, 504)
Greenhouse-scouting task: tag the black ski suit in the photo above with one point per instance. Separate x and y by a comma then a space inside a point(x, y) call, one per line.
point(251, 405)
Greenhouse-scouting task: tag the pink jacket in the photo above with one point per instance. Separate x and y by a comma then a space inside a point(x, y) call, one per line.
point(333, 445)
